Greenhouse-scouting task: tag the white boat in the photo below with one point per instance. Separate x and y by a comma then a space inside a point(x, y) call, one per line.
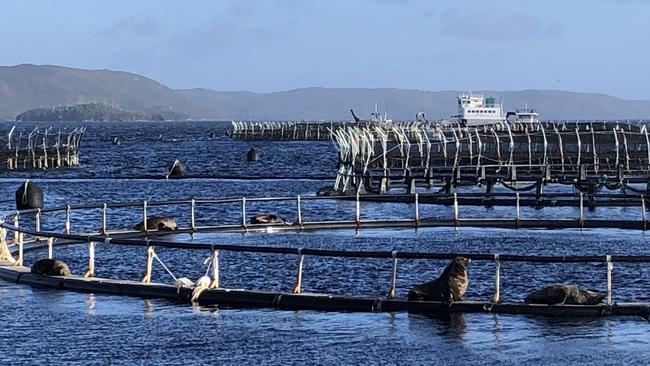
point(525, 115)
point(475, 110)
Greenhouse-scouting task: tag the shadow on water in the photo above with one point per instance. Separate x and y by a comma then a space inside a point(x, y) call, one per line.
point(448, 325)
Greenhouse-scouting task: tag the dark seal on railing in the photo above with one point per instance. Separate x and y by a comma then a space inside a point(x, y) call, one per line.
point(162, 223)
point(50, 267)
point(449, 287)
point(564, 295)
point(268, 219)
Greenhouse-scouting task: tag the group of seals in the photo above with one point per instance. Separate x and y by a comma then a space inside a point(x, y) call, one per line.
point(564, 295)
point(50, 267)
point(450, 286)
point(268, 219)
point(162, 223)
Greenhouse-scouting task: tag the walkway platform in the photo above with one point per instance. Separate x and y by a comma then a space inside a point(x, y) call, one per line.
point(306, 301)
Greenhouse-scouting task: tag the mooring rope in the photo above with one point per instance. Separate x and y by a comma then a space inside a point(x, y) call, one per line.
point(165, 267)
point(24, 198)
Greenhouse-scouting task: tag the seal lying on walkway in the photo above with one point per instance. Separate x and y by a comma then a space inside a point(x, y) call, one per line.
point(162, 223)
point(449, 287)
point(564, 294)
point(268, 219)
point(50, 267)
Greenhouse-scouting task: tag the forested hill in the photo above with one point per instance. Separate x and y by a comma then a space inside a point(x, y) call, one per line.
point(86, 112)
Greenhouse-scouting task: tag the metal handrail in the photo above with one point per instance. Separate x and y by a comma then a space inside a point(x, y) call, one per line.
point(150, 242)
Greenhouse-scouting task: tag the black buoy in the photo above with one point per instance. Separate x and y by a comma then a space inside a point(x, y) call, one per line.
point(116, 140)
point(252, 155)
point(29, 196)
point(177, 169)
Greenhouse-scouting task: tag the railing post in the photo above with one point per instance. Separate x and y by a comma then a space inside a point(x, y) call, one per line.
point(643, 217)
point(393, 278)
point(358, 212)
point(243, 212)
point(417, 210)
point(16, 233)
point(104, 225)
point(517, 214)
point(192, 213)
point(215, 269)
point(149, 266)
point(497, 279)
point(610, 266)
point(50, 244)
point(37, 223)
point(67, 225)
point(91, 260)
point(144, 216)
point(581, 220)
point(297, 287)
point(19, 261)
point(298, 200)
point(456, 222)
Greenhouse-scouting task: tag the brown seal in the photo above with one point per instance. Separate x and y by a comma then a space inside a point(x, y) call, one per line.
point(564, 294)
point(50, 267)
point(450, 286)
point(162, 223)
point(267, 219)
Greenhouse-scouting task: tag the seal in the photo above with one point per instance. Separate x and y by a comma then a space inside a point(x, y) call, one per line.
point(449, 287)
point(50, 267)
point(162, 223)
point(268, 219)
point(560, 294)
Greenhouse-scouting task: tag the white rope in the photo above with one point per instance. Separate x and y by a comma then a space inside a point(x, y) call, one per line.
point(208, 261)
point(165, 267)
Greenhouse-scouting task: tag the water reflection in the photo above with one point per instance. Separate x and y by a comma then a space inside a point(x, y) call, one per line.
point(148, 307)
point(448, 325)
point(496, 329)
point(90, 304)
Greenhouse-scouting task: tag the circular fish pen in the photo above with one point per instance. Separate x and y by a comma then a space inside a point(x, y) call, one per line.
point(163, 263)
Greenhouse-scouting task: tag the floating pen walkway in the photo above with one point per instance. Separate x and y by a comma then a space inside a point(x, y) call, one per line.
point(27, 235)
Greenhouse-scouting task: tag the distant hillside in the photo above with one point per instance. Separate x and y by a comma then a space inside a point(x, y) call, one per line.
point(402, 104)
point(86, 112)
point(25, 87)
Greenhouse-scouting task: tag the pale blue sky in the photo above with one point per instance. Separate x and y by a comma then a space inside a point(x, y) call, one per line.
point(267, 45)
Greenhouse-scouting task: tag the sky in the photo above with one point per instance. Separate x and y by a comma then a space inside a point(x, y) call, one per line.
point(599, 46)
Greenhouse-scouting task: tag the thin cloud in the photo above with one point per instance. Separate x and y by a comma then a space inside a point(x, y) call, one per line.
point(241, 10)
point(219, 35)
point(393, 2)
point(131, 26)
point(488, 27)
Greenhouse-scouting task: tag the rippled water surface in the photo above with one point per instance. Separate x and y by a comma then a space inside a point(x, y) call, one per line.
point(44, 325)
